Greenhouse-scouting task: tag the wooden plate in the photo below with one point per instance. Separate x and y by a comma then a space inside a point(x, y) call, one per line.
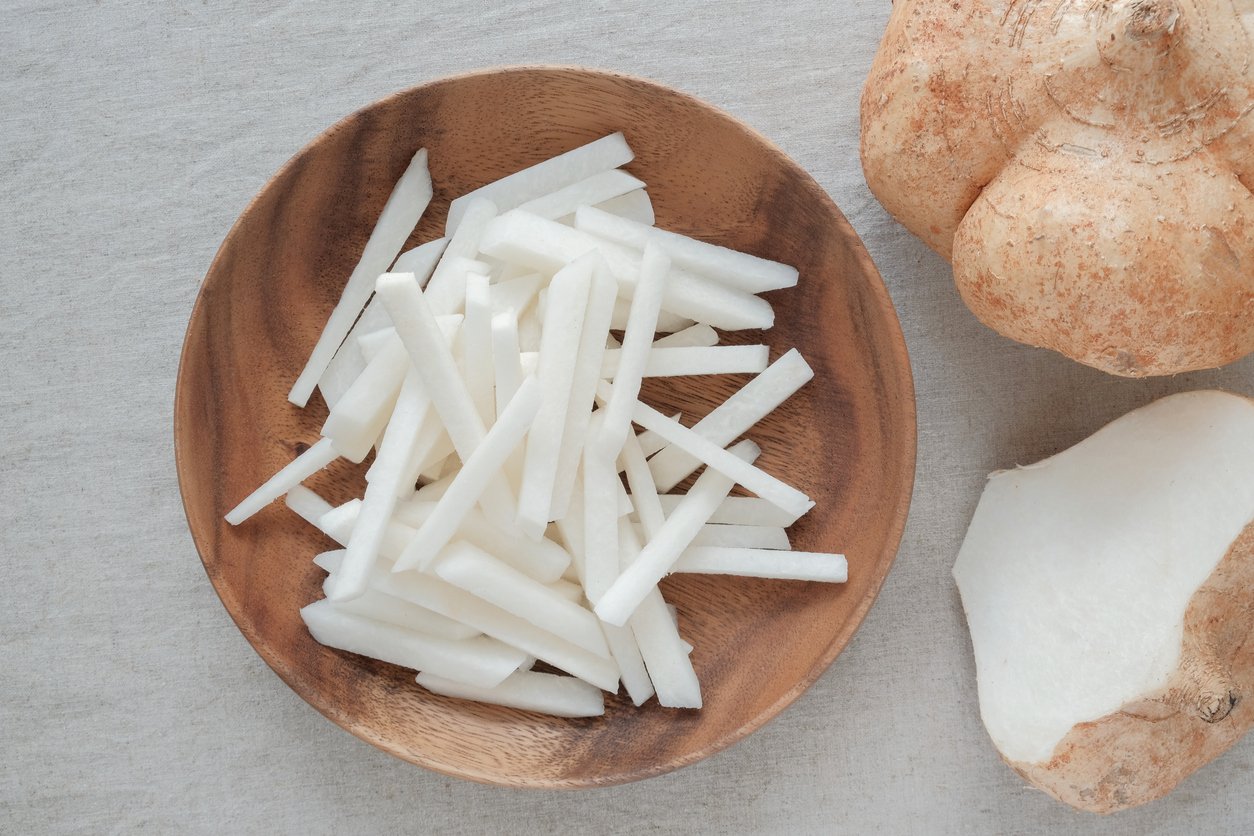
point(848, 439)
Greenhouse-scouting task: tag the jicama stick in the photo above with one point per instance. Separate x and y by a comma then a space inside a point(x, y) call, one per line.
point(483, 576)
point(446, 599)
point(763, 563)
point(416, 325)
point(635, 206)
point(546, 177)
point(637, 345)
point(600, 187)
point(766, 486)
point(651, 442)
point(675, 535)
point(420, 261)
point(737, 510)
point(379, 606)
point(643, 491)
point(477, 346)
point(570, 591)
point(600, 509)
point(298, 470)
point(359, 417)
point(515, 295)
point(547, 245)
point(692, 336)
point(592, 340)
point(405, 205)
point(692, 360)
point(380, 499)
point(479, 661)
point(733, 268)
point(477, 472)
point(563, 326)
point(544, 561)
point(665, 654)
point(546, 693)
point(737, 536)
point(735, 416)
point(446, 291)
point(307, 505)
point(667, 322)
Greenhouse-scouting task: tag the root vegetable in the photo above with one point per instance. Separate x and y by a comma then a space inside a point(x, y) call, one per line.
point(1109, 591)
point(1086, 168)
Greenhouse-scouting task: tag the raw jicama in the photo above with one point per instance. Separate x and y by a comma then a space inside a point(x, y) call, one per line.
point(496, 528)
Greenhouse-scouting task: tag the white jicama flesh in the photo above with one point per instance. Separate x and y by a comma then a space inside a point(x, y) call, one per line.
point(495, 529)
point(1109, 592)
point(400, 215)
point(561, 696)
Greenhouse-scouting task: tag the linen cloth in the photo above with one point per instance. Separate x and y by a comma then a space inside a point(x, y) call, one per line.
point(131, 136)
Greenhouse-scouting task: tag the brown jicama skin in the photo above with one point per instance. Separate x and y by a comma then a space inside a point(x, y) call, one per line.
point(1087, 167)
point(1140, 753)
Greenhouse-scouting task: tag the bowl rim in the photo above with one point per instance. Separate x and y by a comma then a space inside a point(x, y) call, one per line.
point(905, 477)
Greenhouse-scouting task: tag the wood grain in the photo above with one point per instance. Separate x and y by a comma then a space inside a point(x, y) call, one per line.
point(848, 439)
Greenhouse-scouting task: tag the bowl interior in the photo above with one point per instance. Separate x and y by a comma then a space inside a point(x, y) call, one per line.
point(847, 439)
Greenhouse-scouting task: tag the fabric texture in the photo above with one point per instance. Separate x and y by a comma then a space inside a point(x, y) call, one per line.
point(132, 135)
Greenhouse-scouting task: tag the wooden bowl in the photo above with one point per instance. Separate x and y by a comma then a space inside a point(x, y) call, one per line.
point(847, 439)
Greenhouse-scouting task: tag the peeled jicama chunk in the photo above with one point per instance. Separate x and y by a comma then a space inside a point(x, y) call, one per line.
point(1109, 591)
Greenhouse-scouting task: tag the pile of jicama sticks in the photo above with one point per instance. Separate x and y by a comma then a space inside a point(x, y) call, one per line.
point(495, 529)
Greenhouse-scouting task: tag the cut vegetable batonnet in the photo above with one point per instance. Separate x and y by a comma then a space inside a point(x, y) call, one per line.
point(495, 529)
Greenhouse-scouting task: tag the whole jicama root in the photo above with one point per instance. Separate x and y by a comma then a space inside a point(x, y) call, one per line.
point(1086, 166)
point(1110, 596)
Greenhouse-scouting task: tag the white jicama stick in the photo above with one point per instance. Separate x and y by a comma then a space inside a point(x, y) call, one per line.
point(516, 294)
point(667, 322)
point(643, 491)
point(560, 338)
point(665, 654)
point(605, 185)
point(634, 206)
point(631, 669)
point(763, 563)
point(483, 576)
point(738, 510)
point(446, 291)
point(736, 269)
point(570, 527)
point(544, 561)
point(478, 661)
point(693, 360)
point(372, 343)
point(418, 330)
point(298, 470)
point(349, 361)
point(766, 486)
point(529, 330)
point(477, 472)
point(545, 693)
point(769, 537)
point(400, 215)
point(675, 535)
point(690, 337)
point(547, 245)
point(546, 177)
point(600, 508)
point(477, 346)
point(507, 370)
point(360, 416)
point(596, 327)
point(637, 344)
point(420, 261)
point(735, 416)
point(307, 505)
point(446, 599)
point(379, 606)
point(737, 536)
point(651, 442)
point(380, 499)
point(570, 591)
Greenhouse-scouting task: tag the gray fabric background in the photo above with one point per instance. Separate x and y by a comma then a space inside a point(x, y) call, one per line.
point(131, 136)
